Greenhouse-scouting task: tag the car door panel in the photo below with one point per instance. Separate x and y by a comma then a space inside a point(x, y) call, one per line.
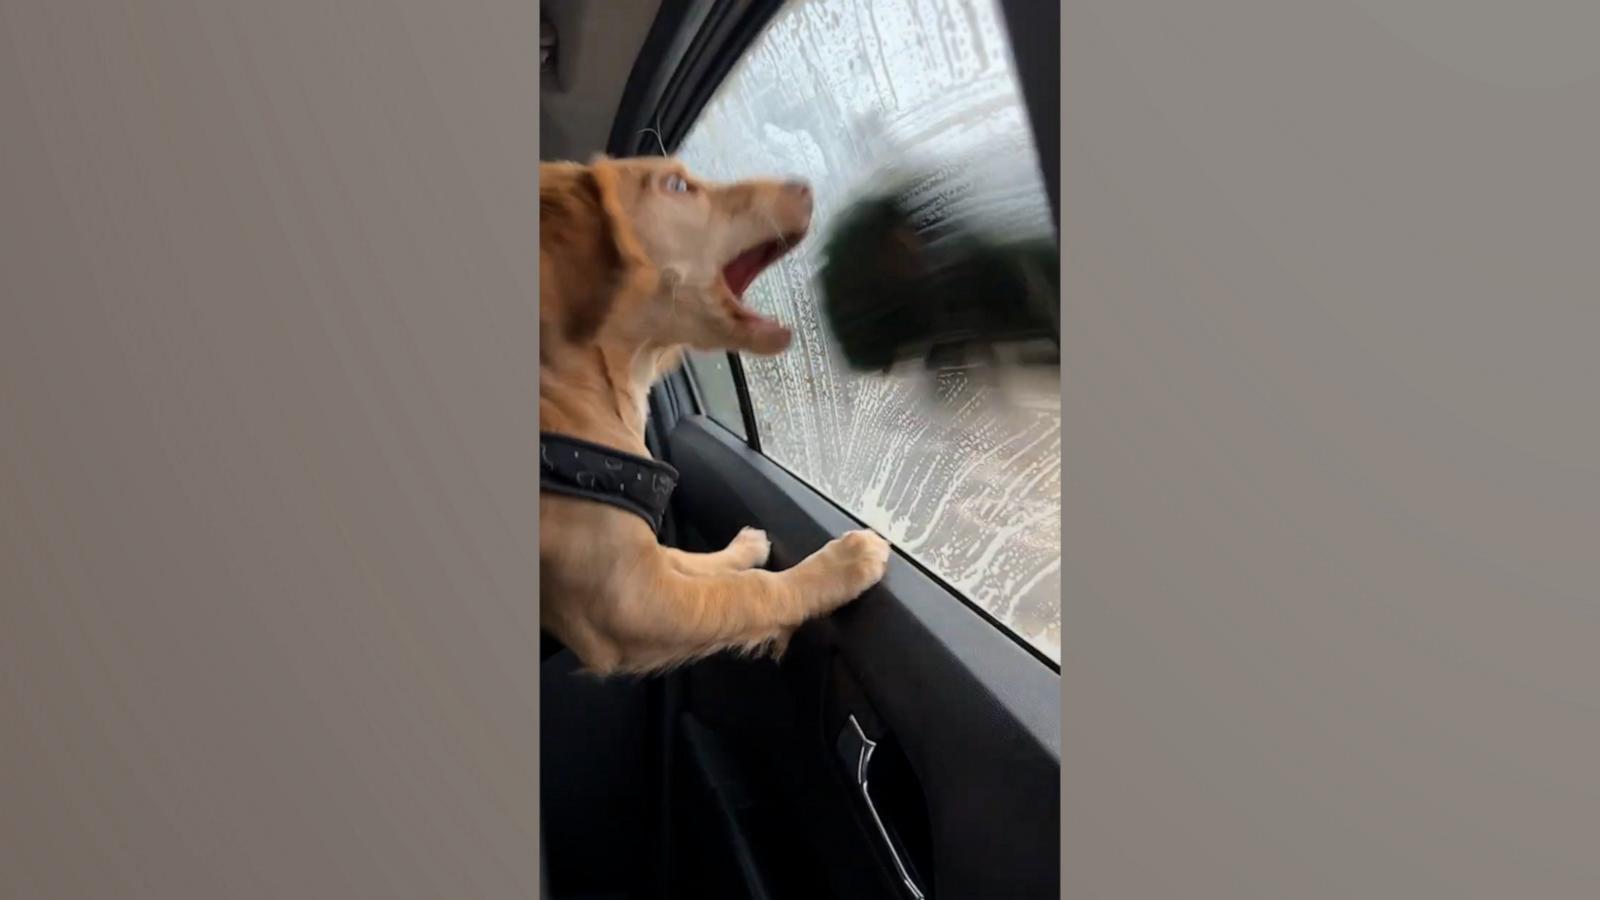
point(972, 713)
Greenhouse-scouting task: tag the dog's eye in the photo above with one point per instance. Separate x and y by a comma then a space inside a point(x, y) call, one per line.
point(675, 184)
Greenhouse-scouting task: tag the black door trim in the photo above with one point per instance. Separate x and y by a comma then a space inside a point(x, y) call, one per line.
point(691, 47)
point(1034, 29)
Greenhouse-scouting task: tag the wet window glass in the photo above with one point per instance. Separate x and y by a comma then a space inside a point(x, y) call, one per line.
point(956, 462)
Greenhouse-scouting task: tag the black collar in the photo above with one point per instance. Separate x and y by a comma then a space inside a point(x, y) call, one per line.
point(578, 468)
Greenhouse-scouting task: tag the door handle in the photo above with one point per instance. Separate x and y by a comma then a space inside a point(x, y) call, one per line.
point(855, 748)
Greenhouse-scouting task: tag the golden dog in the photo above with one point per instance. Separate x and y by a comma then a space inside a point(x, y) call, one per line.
point(638, 259)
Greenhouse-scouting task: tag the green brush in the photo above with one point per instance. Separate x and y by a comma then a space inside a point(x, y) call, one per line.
point(902, 280)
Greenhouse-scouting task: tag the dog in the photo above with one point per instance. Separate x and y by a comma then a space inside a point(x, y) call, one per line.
point(639, 259)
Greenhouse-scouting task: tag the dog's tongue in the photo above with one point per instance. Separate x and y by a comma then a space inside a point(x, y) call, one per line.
point(744, 269)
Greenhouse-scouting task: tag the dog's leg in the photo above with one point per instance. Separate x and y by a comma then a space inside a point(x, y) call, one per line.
point(748, 550)
point(671, 616)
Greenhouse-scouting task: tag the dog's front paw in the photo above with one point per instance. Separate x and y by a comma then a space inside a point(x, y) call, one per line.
point(861, 558)
point(749, 548)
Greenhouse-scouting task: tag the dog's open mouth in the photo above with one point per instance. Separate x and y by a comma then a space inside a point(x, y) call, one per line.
point(743, 269)
point(741, 272)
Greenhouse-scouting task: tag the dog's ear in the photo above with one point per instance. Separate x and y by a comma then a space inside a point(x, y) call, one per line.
point(588, 255)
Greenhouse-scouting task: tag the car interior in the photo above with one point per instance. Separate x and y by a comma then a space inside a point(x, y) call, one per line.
point(907, 746)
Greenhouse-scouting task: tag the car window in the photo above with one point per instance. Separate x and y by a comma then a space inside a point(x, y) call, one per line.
point(959, 467)
point(718, 393)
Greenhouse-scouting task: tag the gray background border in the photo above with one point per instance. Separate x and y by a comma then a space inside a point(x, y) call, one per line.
point(1332, 462)
point(267, 422)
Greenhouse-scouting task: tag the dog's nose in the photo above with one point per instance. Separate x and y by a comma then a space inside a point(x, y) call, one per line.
point(797, 186)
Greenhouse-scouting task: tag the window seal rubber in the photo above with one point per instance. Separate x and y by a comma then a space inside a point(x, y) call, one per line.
point(752, 437)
